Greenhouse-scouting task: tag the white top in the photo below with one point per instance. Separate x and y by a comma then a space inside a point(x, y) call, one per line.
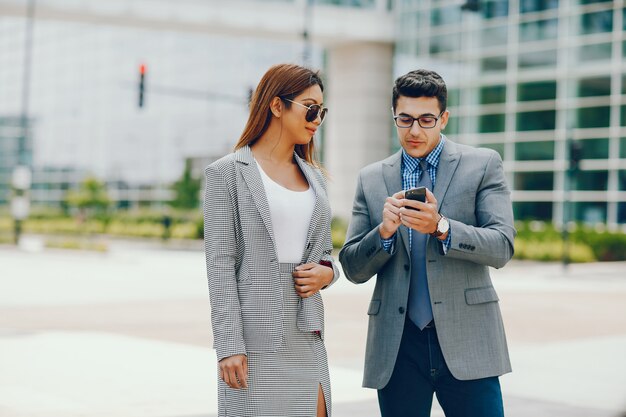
point(291, 213)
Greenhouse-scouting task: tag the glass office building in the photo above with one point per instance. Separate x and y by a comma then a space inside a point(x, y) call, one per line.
point(527, 77)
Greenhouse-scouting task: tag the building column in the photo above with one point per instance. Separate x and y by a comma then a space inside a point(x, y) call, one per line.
point(358, 129)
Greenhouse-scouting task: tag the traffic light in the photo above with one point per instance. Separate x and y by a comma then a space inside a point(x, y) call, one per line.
point(142, 76)
point(575, 154)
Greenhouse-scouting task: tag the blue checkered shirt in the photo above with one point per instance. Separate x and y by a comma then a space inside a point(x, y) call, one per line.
point(411, 174)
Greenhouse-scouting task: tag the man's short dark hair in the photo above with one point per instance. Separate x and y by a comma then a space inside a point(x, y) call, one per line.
point(421, 83)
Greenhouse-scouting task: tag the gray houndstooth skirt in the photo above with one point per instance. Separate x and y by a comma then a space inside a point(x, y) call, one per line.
point(284, 383)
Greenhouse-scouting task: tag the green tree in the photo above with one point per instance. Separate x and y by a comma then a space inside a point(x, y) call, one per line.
point(187, 190)
point(90, 198)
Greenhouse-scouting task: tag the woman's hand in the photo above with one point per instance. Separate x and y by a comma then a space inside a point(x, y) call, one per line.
point(234, 371)
point(310, 278)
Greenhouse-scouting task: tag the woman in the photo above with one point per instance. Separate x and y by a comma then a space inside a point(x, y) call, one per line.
point(268, 250)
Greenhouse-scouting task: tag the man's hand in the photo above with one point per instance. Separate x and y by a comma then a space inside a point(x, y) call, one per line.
point(310, 278)
point(391, 215)
point(424, 219)
point(234, 371)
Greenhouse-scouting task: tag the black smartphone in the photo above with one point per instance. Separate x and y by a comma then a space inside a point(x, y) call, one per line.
point(418, 194)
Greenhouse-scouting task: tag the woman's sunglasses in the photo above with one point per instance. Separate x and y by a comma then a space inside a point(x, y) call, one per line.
point(313, 111)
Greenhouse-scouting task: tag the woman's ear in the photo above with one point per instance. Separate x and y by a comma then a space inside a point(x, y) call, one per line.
point(276, 106)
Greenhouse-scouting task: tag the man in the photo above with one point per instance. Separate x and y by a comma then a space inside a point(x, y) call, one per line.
point(434, 320)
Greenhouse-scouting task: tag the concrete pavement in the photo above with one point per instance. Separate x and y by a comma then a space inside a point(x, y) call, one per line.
point(127, 333)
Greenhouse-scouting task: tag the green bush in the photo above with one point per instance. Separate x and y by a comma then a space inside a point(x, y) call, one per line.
point(338, 230)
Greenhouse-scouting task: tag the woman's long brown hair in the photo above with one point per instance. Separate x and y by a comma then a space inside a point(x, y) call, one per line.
point(286, 81)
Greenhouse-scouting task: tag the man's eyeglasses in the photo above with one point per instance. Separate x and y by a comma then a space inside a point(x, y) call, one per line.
point(405, 121)
point(313, 111)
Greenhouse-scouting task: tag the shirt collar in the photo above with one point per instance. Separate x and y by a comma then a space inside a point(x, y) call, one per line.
point(432, 158)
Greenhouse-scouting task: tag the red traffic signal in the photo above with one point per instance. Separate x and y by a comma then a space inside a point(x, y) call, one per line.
point(142, 76)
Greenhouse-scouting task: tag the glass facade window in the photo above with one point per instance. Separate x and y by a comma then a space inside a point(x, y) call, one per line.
point(446, 16)
point(590, 212)
point(498, 147)
point(454, 97)
point(493, 64)
point(598, 22)
point(536, 120)
point(539, 210)
point(595, 148)
point(623, 116)
point(589, 117)
point(490, 123)
point(445, 43)
point(534, 151)
point(493, 94)
point(595, 52)
point(539, 30)
point(493, 9)
point(538, 90)
point(622, 148)
point(622, 180)
point(452, 128)
point(542, 181)
point(494, 36)
point(538, 59)
point(528, 6)
point(597, 86)
point(591, 180)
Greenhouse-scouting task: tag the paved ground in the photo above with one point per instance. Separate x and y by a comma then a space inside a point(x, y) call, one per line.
point(127, 334)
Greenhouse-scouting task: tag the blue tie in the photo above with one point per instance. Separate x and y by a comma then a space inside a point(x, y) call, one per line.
point(420, 310)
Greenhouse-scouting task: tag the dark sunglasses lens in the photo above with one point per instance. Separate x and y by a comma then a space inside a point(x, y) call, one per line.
point(312, 113)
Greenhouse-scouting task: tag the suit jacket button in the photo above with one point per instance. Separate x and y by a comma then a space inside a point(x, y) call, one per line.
point(406, 267)
point(401, 310)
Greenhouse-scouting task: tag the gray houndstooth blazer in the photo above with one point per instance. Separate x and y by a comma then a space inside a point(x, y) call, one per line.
point(242, 264)
point(471, 191)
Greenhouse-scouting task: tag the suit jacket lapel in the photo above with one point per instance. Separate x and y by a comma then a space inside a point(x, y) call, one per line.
point(392, 174)
point(448, 162)
point(252, 177)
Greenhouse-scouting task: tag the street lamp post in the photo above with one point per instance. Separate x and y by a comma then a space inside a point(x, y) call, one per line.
point(21, 181)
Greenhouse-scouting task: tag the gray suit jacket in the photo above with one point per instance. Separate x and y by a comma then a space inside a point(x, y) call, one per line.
point(471, 191)
point(242, 264)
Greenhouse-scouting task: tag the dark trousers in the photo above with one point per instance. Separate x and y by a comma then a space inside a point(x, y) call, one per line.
point(420, 371)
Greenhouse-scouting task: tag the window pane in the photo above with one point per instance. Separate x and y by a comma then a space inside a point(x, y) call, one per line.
point(540, 210)
point(494, 36)
point(534, 180)
point(539, 30)
point(594, 52)
point(493, 64)
point(536, 120)
point(489, 123)
point(591, 180)
point(622, 180)
point(590, 87)
point(493, 94)
point(598, 22)
point(454, 95)
point(445, 16)
point(590, 212)
point(533, 151)
point(494, 8)
point(624, 84)
point(595, 148)
point(593, 116)
point(543, 90)
point(622, 148)
point(452, 128)
point(538, 59)
point(527, 6)
point(498, 147)
point(623, 111)
point(445, 43)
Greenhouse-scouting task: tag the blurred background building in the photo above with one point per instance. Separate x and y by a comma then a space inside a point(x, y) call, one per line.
point(525, 77)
